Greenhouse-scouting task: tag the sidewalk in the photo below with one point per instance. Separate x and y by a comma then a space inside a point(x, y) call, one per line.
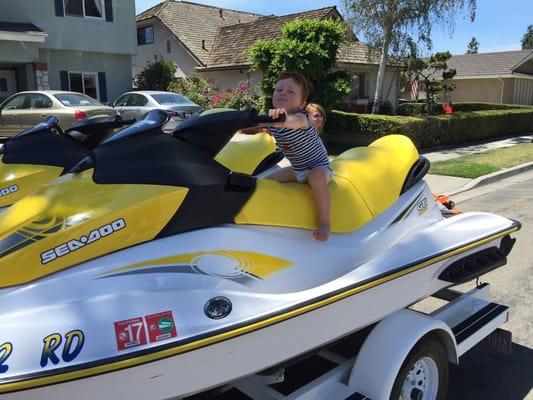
point(441, 184)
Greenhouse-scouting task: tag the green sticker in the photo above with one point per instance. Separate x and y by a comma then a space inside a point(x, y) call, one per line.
point(165, 325)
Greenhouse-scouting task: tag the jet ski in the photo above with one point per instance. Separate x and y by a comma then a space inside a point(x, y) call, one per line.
point(153, 271)
point(44, 152)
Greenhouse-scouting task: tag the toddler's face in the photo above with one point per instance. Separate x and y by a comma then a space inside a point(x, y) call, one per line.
point(288, 95)
point(317, 119)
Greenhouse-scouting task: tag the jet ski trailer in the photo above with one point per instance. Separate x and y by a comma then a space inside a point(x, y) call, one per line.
point(152, 271)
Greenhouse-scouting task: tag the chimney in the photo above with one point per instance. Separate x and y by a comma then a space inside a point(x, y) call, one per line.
point(220, 13)
point(203, 44)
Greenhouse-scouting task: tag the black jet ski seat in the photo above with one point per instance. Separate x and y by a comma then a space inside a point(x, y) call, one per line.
point(366, 181)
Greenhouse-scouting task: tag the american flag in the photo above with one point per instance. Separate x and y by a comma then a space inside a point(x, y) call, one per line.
point(414, 89)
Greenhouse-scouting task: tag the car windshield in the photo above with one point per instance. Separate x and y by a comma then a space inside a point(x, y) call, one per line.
point(171, 98)
point(76, 100)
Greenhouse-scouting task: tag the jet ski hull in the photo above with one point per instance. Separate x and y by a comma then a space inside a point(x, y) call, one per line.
point(143, 327)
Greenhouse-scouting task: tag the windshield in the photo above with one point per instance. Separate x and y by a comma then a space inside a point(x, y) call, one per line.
point(171, 98)
point(76, 100)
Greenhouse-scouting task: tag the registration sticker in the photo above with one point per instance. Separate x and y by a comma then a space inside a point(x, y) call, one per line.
point(161, 326)
point(130, 333)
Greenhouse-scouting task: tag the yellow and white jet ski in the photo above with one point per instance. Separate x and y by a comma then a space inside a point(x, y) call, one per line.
point(152, 271)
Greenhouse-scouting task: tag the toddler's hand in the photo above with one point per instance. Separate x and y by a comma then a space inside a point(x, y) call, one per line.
point(274, 113)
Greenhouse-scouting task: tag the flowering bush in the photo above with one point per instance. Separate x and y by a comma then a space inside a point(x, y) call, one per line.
point(239, 98)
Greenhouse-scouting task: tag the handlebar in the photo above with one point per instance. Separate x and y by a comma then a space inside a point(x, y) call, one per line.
point(265, 119)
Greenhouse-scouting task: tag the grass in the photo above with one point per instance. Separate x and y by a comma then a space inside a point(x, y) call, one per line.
point(476, 165)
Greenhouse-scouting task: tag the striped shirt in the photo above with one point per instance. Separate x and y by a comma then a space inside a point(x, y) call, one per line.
point(302, 147)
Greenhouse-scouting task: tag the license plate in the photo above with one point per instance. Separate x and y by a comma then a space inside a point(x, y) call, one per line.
point(501, 341)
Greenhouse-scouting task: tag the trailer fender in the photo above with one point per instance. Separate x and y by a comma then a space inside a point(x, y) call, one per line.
point(387, 346)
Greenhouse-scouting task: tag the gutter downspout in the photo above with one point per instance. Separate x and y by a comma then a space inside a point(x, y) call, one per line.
point(503, 84)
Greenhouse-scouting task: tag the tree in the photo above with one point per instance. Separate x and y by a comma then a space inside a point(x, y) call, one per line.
point(472, 46)
point(388, 24)
point(194, 87)
point(527, 39)
point(307, 46)
point(427, 71)
point(157, 75)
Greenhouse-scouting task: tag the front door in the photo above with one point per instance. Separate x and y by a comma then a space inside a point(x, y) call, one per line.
point(8, 83)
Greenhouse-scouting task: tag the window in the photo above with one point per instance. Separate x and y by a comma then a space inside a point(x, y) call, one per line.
point(145, 35)
point(39, 101)
point(168, 46)
point(3, 85)
point(75, 100)
point(84, 82)
point(131, 100)
point(20, 102)
point(358, 87)
point(84, 8)
point(171, 99)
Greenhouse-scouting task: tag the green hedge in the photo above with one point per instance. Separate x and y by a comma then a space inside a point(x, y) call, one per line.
point(454, 129)
point(419, 108)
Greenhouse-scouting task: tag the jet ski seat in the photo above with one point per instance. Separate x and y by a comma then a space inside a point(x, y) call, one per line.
point(366, 181)
point(246, 156)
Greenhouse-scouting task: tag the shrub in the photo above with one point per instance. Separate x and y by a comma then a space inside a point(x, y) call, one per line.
point(433, 131)
point(242, 97)
point(195, 88)
point(157, 75)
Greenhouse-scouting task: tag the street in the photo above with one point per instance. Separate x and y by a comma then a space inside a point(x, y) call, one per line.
point(483, 374)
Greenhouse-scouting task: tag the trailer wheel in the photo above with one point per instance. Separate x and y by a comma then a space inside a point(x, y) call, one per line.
point(424, 373)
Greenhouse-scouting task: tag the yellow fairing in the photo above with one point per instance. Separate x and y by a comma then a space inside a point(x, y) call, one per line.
point(26, 177)
point(72, 209)
point(245, 156)
point(366, 181)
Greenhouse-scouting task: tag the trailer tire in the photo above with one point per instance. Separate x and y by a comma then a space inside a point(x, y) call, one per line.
point(428, 360)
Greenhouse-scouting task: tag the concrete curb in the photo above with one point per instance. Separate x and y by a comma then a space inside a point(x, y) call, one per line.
point(494, 177)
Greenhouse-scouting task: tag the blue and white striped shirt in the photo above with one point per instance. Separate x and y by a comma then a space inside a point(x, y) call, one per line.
point(302, 147)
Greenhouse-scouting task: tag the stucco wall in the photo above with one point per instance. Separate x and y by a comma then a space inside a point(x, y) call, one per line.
point(146, 52)
point(77, 33)
point(116, 67)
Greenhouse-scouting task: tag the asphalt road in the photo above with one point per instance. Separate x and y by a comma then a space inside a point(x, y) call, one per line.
point(482, 373)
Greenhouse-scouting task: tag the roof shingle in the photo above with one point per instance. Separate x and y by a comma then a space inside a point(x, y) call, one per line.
point(194, 24)
point(500, 63)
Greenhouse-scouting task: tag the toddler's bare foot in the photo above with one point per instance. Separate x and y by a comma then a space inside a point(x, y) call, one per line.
point(322, 232)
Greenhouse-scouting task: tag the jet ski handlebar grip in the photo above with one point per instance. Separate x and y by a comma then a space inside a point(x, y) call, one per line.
point(265, 119)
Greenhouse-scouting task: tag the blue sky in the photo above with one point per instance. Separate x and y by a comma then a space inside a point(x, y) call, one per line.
point(499, 25)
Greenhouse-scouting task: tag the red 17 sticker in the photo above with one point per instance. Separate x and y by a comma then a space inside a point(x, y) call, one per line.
point(130, 333)
point(161, 326)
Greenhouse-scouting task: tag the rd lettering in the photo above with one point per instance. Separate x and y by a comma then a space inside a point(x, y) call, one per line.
point(68, 349)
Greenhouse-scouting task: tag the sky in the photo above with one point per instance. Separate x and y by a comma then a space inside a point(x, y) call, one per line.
point(499, 25)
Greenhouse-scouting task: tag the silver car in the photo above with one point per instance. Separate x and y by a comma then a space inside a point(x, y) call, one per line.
point(137, 104)
point(26, 109)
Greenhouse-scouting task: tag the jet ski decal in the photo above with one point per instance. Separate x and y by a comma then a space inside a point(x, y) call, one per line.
point(30, 234)
point(8, 190)
point(75, 244)
point(5, 351)
point(240, 266)
point(74, 341)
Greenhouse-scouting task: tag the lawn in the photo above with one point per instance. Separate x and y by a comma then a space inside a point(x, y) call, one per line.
point(475, 165)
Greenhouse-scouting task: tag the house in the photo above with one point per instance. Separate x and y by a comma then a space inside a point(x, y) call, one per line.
point(183, 32)
point(214, 42)
point(80, 45)
point(502, 77)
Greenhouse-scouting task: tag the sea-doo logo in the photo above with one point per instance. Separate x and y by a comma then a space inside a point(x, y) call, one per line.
point(75, 244)
point(9, 190)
